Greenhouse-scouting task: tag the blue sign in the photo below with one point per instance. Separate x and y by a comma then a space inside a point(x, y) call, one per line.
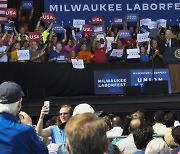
point(79, 35)
point(9, 27)
point(124, 34)
point(118, 21)
point(111, 82)
point(100, 29)
point(139, 76)
point(67, 10)
point(27, 5)
point(131, 17)
point(144, 29)
point(58, 29)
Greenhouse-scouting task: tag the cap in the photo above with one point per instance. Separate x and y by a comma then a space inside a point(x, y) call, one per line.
point(83, 108)
point(10, 92)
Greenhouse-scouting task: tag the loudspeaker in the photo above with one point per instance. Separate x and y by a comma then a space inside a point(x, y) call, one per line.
point(156, 87)
point(132, 90)
point(36, 93)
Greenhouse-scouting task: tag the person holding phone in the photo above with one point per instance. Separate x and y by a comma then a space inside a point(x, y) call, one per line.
point(56, 132)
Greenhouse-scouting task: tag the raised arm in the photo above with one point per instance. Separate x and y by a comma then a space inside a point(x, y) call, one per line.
point(125, 25)
point(105, 45)
point(117, 36)
point(38, 24)
point(50, 26)
point(94, 41)
point(19, 14)
point(109, 30)
point(65, 36)
point(31, 14)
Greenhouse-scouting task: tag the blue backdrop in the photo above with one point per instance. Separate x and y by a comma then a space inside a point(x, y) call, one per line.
point(67, 10)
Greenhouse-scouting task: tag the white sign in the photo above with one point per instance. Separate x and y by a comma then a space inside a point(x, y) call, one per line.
point(23, 55)
point(145, 22)
point(78, 23)
point(152, 25)
point(109, 41)
point(117, 53)
point(99, 36)
point(143, 37)
point(78, 64)
point(133, 53)
point(162, 23)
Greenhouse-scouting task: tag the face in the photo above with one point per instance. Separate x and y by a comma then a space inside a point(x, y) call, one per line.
point(131, 29)
point(98, 45)
point(58, 46)
point(154, 43)
point(143, 50)
point(65, 114)
point(69, 43)
point(22, 30)
point(41, 29)
point(119, 43)
point(168, 34)
point(17, 46)
point(112, 34)
point(55, 39)
point(83, 47)
point(34, 45)
point(73, 54)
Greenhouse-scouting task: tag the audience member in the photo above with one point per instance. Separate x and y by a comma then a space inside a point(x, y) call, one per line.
point(176, 136)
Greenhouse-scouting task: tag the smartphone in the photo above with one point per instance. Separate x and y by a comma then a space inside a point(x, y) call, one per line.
point(47, 104)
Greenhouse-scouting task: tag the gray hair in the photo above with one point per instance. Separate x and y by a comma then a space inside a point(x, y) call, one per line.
point(9, 108)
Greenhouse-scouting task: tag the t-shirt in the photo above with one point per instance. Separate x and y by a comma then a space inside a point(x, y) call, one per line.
point(4, 58)
point(144, 58)
point(85, 54)
point(61, 57)
point(100, 55)
point(57, 135)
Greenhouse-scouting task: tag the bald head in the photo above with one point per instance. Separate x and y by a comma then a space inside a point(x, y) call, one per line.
point(134, 124)
point(116, 121)
point(168, 34)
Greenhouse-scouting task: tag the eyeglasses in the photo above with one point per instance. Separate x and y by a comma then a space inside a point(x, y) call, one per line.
point(65, 113)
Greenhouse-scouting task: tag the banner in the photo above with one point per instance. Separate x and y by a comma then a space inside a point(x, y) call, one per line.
point(47, 17)
point(78, 63)
point(58, 29)
point(100, 29)
point(87, 29)
point(9, 27)
point(138, 76)
point(114, 81)
point(34, 36)
point(117, 53)
point(111, 82)
point(144, 37)
point(27, 5)
point(78, 23)
point(124, 34)
point(23, 55)
point(97, 20)
point(67, 10)
point(133, 53)
point(10, 12)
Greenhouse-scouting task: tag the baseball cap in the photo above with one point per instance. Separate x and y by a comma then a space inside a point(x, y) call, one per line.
point(83, 108)
point(10, 92)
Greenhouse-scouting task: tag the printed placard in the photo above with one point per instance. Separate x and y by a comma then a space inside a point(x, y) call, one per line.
point(131, 17)
point(124, 34)
point(145, 22)
point(97, 20)
point(27, 5)
point(117, 53)
point(118, 21)
point(34, 36)
point(79, 35)
point(143, 37)
point(11, 12)
point(47, 17)
point(58, 29)
point(23, 55)
point(87, 29)
point(78, 23)
point(9, 27)
point(77, 63)
point(133, 53)
point(162, 23)
point(100, 29)
point(152, 25)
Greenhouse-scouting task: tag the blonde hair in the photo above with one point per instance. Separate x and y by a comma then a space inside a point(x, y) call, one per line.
point(9, 108)
point(157, 146)
point(86, 134)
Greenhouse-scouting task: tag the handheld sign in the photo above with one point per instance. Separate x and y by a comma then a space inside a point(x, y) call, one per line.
point(58, 29)
point(152, 25)
point(118, 21)
point(145, 22)
point(144, 37)
point(10, 12)
point(100, 29)
point(79, 35)
point(23, 55)
point(97, 20)
point(78, 64)
point(144, 29)
point(34, 36)
point(133, 53)
point(47, 17)
point(77, 23)
point(124, 34)
point(162, 23)
point(87, 29)
point(131, 17)
point(27, 5)
point(8, 27)
point(117, 53)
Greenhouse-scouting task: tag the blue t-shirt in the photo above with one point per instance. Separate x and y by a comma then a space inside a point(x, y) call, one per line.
point(58, 135)
point(61, 57)
point(139, 152)
point(144, 58)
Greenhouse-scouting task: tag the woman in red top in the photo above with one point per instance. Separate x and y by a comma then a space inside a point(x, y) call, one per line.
point(99, 53)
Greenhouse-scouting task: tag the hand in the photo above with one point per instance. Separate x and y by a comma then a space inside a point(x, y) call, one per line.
point(44, 110)
point(54, 59)
point(156, 52)
point(24, 118)
point(40, 18)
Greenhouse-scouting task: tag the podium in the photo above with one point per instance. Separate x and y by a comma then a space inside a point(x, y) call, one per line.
point(171, 57)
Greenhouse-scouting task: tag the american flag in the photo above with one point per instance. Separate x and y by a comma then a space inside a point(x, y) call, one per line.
point(3, 6)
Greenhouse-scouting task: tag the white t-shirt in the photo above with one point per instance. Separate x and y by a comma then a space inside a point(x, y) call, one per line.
point(4, 58)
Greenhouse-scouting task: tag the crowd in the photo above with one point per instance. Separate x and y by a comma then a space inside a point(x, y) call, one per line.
point(82, 130)
point(61, 48)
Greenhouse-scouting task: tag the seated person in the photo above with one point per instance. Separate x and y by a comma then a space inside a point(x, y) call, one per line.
point(58, 56)
point(87, 56)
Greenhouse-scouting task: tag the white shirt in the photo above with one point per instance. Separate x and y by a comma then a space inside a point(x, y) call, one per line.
point(4, 58)
point(176, 123)
point(159, 129)
point(114, 132)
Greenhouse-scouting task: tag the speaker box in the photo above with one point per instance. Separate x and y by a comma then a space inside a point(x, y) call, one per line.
point(36, 93)
point(132, 90)
point(155, 87)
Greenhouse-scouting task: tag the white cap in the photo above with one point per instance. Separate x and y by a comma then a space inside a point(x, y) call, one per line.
point(83, 108)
